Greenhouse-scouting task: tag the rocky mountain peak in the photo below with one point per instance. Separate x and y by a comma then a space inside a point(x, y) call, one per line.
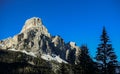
point(32, 22)
point(34, 38)
point(35, 23)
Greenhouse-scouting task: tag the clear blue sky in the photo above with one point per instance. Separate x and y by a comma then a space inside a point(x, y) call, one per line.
point(80, 21)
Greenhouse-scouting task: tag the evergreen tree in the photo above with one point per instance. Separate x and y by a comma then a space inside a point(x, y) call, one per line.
point(86, 63)
point(71, 56)
point(105, 54)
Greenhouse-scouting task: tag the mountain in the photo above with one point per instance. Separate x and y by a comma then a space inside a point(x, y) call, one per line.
point(35, 41)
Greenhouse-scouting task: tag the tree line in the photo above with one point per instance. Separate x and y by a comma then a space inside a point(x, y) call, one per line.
point(105, 61)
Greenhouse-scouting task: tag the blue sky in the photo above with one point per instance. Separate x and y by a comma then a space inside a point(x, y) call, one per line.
point(80, 21)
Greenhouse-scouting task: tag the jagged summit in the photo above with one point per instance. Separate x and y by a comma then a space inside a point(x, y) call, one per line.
point(35, 23)
point(32, 22)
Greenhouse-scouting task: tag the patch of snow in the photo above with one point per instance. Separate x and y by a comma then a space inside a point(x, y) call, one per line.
point(13, 49)
point(46, 57)
point(32, 54)
point(54, 58)
point(55, 45)
point(1, 45)
point(60, 60)
point(29, 53)
point(23, 51)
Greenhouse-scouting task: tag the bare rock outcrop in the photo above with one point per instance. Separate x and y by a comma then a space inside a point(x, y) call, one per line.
point(34, 37)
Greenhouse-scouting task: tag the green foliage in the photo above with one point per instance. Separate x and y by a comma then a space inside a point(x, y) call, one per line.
point(71, 56)
point(86, 64)
point(105, 54)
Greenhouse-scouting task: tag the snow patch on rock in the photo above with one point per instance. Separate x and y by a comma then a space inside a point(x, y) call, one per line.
point(23, 51)
point(53, 57)
point(1, 45)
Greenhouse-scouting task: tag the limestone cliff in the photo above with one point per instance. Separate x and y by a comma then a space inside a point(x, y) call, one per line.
point(34, 37)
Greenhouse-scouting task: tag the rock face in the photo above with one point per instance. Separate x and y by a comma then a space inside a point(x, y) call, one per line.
point(34, 37)
point(35, 23)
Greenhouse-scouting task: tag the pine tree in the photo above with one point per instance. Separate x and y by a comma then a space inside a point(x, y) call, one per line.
point(105, 54)
point(86, 63)
point(71, 56)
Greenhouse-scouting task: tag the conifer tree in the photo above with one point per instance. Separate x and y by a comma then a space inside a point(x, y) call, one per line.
point(86, 63)
point(105, 54)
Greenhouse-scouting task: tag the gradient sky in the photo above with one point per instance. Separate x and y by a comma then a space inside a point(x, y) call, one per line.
point(80, 21)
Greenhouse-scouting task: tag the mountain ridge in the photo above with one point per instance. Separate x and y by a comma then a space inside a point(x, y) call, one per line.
point(34, 37)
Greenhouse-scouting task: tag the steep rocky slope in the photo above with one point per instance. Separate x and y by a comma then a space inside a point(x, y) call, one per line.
point(34, 38)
